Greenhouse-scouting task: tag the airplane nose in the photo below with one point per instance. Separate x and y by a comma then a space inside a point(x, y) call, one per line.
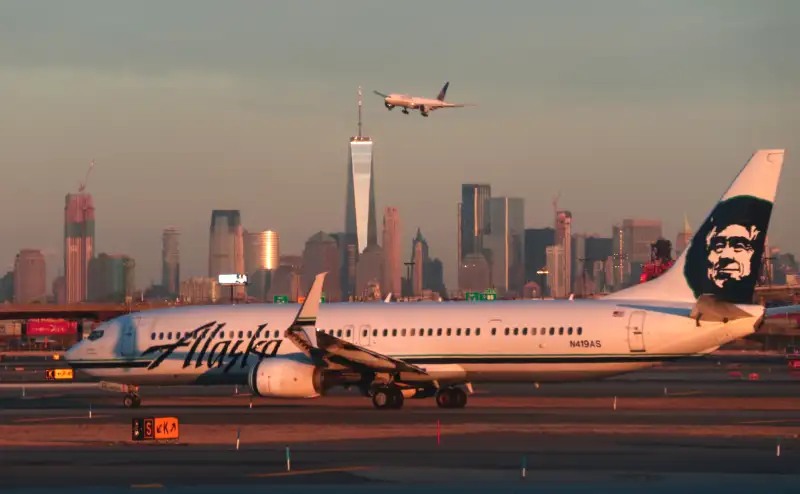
point(72, 354)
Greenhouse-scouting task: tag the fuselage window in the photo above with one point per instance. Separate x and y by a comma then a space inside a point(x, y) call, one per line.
point(466, 332)
point(569, 331)
point(403, 332)
point(508, 331)
point(552, 331)
point(430, 331)
point(560, 331)
point(524, 331)
point(516, 331)
point(394, 332)
point(97, 334)
point(580, 330)
point(365, 332)
point(439, 332)
point(543, 331)
point(348, 333)
point(152, 336)
point(413, 332)
point(458, 331)
point(494, 331)
point(249, 334)
point(169, 335)
point(160, 336)
point(477, 331)
point(385, 332)
point(448, 331)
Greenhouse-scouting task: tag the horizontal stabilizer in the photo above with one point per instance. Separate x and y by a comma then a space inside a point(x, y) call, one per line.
point(711, 309)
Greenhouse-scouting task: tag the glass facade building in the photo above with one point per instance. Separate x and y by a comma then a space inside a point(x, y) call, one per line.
point(360, 219)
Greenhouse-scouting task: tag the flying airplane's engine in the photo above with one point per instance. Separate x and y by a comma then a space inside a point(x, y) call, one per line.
point(285, 378)
point(388, 105)
point(423, 110)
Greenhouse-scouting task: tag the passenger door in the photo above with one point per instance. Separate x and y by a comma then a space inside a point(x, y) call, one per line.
point(636, 331)
point(363, 335)
point(128, 343)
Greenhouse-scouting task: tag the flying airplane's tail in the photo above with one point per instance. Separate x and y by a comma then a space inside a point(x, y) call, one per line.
point(723, 259)
point(443, 92)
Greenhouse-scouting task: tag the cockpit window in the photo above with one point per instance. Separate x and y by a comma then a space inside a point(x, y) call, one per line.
point(96, 335)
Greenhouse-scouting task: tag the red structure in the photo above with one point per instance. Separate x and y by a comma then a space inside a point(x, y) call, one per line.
point(660, 260)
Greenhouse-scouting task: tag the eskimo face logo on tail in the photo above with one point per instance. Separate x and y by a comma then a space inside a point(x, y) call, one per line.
point(725, 256)
point(206, 350)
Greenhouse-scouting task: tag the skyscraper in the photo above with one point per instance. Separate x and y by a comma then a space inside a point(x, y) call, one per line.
point(564, 239)
point(78, 245)
point(170, 261)
point(419, 256)
point(473, 217)
point(506, 241)
point(30, 273)
point(226, 246)
point(392, 252)
point(555, 271)
point(360, 219)
point(322, 254)
point(261, 251)
point(684, 237)
point(111, 278)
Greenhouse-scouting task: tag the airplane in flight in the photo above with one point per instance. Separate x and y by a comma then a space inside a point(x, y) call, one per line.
point(424, 105)
point(396, 351)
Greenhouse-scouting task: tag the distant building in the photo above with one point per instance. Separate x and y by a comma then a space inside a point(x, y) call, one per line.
point(30, 277)
point(200, 290)
point(564, 239)
point(556, 272)
point(360, 218)
point(60, 290)
point(261, 251)
point(369, 272)
point(474, 274)
point(536, 242)
point(505, 241)
point(474, 219)
point(79, 244)
point(7, 287)
point(392, 252)
point(226, 247)
point(638, 237)
point(171, 261)
point(111, 278)
point(321, 254)
point(684, 237)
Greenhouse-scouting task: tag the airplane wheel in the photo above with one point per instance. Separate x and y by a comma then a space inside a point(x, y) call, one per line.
point(131, 401)
point(387, 398)
point(451, 398)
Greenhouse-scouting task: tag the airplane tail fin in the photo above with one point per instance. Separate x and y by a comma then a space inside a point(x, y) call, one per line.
point(443, 92)
point(724, 257)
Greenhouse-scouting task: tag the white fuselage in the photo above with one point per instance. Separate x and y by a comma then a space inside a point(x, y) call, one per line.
point(522, 341)
point(407, 101)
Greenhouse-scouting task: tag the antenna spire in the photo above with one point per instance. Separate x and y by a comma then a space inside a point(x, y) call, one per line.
point(359, 111)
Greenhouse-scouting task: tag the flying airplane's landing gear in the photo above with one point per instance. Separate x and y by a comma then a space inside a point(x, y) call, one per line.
point(405, 110)
point(388, 106)
point(387, 397)
point(451, 398)
point(423, 113)
point(132, 400)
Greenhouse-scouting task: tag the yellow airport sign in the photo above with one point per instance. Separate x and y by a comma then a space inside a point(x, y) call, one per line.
point(58, 374)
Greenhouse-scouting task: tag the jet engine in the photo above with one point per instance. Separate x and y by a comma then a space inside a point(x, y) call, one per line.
point(286, 378)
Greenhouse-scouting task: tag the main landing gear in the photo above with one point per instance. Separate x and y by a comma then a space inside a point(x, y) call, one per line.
point(451, 398)
point(385, 397)
point(405, 110)
point(132, 400)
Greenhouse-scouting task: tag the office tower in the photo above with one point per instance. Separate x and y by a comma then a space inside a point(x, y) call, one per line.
point(536, 242)
point(555, 270)
point(639, 235)
point(79, 226)
point(419, 256)
point(459, 255)
point(200, 290)
point(506, 243)
point(319, 255)
point(392, 252)
point(111, 278)
point(580, 276)
point(261, 251)
point(620, 264)
point(360, 220)
point(30, 277)
point(473, 217)
point(226, 247)
point(564, 239)
point(370, 268)
point(684, 237)
point(60, 290)
point(171, 261)
point(474, 274)
point(598, 250)
point(7, 287)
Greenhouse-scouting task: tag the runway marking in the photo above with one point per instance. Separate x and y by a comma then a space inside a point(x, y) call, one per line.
point(685, 393)
point(775, 421)
point(308, 472)
point(48, 419)
point(146, 486)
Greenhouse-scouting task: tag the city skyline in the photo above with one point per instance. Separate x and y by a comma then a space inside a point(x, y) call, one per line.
point(190, 119)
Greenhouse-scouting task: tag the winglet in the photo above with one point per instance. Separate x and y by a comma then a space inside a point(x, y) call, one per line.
point(303, 331)
point(388, 298)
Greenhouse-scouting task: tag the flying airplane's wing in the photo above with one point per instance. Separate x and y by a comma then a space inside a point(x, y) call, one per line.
point(380, 94)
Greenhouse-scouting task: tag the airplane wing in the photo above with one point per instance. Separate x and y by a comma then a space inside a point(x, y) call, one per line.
point(329, 351)
point(380, 94)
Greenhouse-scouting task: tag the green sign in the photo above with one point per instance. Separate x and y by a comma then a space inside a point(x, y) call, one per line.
point(473, 296)
point(280, 299)
point(489, 294)
point(322, 298)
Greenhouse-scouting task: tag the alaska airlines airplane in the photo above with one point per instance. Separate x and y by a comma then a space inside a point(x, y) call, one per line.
point(400, 350)
point(424, 105)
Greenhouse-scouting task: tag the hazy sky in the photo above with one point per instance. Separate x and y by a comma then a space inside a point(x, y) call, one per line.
point(639, 108)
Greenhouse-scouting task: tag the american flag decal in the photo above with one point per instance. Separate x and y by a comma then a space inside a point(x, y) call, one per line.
point(618, 313)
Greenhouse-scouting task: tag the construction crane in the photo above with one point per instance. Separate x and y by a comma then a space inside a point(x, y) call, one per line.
point(82, 185)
